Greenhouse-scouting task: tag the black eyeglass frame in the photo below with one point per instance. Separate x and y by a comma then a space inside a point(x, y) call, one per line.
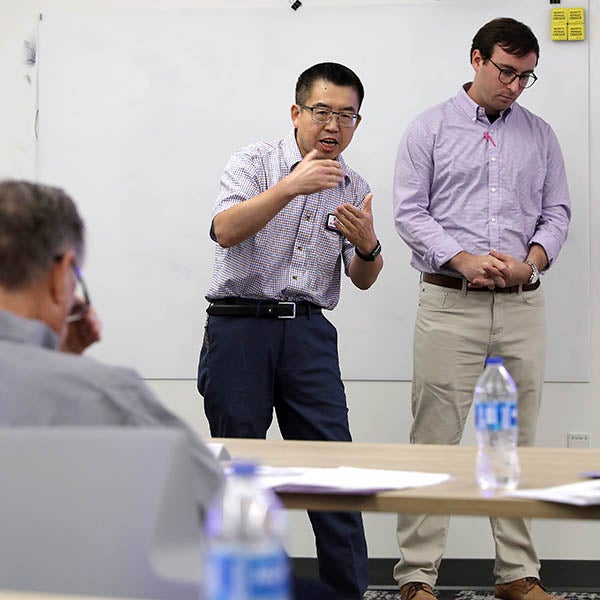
point(87, 303)
point(355, 116)
point(84, 289)
point(510, 76)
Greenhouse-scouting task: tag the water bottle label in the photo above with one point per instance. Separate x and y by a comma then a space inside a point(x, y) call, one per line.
point(223, 575)
point(235, 573)
point(495, 416)
point(268, 576)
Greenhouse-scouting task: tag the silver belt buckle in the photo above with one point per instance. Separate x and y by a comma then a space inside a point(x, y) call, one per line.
point(293, 315)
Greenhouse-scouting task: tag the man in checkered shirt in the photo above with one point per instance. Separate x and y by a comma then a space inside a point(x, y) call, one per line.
point(289, 212)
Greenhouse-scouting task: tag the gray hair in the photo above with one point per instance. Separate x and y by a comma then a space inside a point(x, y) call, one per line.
point(38, 224)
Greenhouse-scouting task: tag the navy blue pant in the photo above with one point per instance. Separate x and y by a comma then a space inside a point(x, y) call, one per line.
point(250, 366)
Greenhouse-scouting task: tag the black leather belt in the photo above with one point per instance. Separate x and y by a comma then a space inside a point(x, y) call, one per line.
point(267, 309)
point(456, 283)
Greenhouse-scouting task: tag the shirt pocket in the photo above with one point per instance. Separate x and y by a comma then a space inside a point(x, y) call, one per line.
point(329, 249)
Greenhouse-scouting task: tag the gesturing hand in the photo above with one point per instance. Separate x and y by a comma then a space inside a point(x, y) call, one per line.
point(314, 174)
point(357, 225)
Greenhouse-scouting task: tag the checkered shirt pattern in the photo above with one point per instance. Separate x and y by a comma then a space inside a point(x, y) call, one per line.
point(294, 257)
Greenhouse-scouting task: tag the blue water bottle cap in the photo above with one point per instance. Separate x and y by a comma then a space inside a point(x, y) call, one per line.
point(494, 360)
point(244, 468)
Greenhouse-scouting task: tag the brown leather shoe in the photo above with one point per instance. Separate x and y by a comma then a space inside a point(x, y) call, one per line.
point(528, 588)
point(416, 590)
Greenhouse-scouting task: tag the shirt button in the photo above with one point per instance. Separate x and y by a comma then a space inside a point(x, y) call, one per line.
point(294, 277)
point(307, 218)
point(493, 159)
point(299, 248)
point(493, 189)
point(493, 219)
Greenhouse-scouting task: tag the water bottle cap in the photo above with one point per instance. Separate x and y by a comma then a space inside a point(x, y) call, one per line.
point(494, 360)
point(244, 468)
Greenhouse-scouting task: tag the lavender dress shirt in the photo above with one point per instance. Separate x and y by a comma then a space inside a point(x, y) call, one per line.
point(463, 183)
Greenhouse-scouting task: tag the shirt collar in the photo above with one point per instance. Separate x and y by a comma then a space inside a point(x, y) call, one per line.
point(26, 331)
point(472, 109)
point(293, 156)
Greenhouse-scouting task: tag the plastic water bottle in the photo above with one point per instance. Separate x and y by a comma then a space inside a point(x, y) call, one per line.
point(245, 558)
point(496, 422)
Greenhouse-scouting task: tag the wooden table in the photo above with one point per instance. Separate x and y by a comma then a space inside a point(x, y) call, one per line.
point(18, 595)
point(540, 467)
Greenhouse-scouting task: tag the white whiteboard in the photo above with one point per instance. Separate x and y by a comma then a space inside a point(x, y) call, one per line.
point(139, 112)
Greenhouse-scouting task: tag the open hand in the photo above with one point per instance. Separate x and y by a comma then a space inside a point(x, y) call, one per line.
point(357, 224)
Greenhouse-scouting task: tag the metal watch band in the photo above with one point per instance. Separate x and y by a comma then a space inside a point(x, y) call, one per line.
point(535, 272)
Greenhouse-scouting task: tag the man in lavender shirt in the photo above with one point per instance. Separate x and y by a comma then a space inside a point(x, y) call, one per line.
point(481, 198)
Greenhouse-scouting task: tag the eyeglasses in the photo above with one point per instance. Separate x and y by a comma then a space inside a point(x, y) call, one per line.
point(81, 292)
point(80, 308)
point(323, 115)
point(508, 76)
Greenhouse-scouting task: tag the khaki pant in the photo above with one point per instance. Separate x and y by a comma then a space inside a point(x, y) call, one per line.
point(454, 332)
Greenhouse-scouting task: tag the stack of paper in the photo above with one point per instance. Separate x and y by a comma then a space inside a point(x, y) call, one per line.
point(343, 480)
point(583, 493)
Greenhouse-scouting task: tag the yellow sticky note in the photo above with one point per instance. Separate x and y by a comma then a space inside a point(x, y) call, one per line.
point(576, 32)
point(559, 32)
point(559, 15)
point(575, 16)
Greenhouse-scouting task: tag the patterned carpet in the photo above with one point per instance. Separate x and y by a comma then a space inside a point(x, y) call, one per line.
point(445, 594)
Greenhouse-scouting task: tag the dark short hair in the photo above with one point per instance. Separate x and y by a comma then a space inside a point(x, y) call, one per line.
point(512, 36)
point(331, 72)
point(38, 223)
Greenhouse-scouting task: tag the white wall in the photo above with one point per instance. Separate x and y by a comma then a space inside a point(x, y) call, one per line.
point(379, 411)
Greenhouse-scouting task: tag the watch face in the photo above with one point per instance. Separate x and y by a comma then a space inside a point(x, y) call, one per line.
point(376, 251)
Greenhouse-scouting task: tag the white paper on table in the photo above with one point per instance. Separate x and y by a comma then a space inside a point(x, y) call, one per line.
point(582, 493)
point(343, 480)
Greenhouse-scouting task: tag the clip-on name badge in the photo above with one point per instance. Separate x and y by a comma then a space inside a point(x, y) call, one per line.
point(330, 223)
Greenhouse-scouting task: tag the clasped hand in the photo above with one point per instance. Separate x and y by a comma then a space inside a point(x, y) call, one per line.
point(496, 269)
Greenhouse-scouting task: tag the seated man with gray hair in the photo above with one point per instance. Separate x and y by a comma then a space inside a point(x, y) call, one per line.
point(41, 253)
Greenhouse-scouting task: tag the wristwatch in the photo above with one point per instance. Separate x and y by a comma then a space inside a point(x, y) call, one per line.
point(535, 272)
point(372, 255)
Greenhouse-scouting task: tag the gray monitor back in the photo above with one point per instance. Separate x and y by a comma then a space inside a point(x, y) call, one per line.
point(99, 511)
